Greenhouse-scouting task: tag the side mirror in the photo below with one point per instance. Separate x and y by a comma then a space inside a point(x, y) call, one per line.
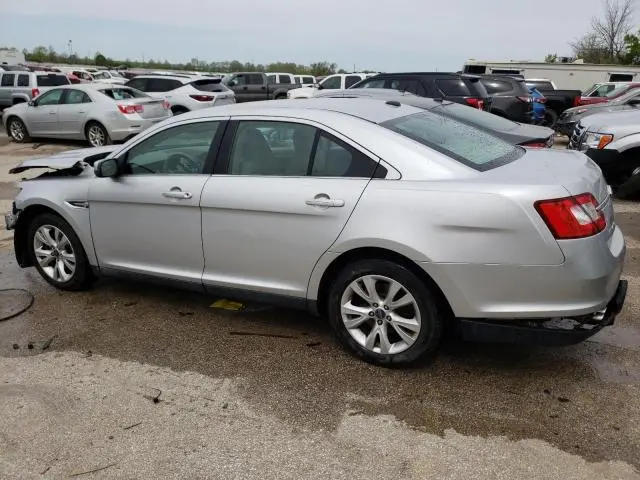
point(319, 87)
point(32, 103)
point(107, 168)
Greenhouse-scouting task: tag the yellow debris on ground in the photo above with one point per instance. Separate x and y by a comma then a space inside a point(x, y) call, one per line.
point(227, 304)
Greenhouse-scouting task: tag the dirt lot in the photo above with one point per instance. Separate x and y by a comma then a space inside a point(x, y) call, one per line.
point(135, 381)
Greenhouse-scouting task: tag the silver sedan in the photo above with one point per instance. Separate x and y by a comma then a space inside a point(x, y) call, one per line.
point(390, 220)
point(99, 113)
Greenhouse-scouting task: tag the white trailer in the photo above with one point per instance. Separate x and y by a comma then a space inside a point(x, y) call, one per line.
point(11, 56)
point(569, 76)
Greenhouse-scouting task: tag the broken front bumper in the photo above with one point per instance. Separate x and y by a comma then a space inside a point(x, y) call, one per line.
point(11, 219)
point(551, 332)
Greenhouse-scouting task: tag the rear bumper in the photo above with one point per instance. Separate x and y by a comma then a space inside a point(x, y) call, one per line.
point(551, 332)
point(127, 128)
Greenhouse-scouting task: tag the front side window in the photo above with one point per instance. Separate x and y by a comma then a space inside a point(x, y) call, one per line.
point(307, 80)
point(52, 97)
point(464, 143)
point(372, 83)
point(331, 83)
point(603, 90)
point(271, 79)
point(408, 85)
point(180, 150)
point(351, 80)
point(7, 80)
point(285, 79)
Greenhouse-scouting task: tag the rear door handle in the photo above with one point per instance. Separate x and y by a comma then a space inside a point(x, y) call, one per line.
point(177, 194)
point(325, 202)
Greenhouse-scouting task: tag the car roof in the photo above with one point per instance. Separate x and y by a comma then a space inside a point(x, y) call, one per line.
point(382, 94)
point(181, 78)
point(369, 109)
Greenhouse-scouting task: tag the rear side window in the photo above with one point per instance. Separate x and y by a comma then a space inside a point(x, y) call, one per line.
point(459, 141)
point(162, 84)
point(617, 91)
point(408, 85)
point(332, 158)
point(374, 83)
point(7, 80)
point(453, 87)
point(285, 79)
point(255, 79)
point(351, 80)
point(271, 79)
point(23, 80)
point(52, 80)
point(138, 84)
point(307, 80)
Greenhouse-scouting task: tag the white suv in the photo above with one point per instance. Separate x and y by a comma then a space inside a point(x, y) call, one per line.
point(184, 92)
point(338, 81)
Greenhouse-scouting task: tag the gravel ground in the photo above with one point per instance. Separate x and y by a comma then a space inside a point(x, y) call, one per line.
point(266, 393)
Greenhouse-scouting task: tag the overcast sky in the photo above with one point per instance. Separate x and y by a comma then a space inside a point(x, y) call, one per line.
point(370, 34)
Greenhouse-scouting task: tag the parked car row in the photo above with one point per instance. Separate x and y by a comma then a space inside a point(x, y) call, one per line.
point(314, 203)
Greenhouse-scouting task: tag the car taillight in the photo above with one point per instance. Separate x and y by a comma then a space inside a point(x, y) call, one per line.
point(166, 105)
point(572, 217)
point(524, 99)
point(577, 101)
point(34, 92)
point(202, 98)
point(476, 103)
point(129, 109)
point(534, 145)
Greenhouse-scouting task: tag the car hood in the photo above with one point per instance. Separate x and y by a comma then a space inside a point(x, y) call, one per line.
point(67, 159)
point(619, 123)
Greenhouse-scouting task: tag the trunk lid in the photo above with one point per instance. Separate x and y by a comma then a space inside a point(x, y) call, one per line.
point(152, 107)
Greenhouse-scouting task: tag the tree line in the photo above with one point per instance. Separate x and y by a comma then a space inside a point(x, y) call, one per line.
point(611, 38)
point(42, 54)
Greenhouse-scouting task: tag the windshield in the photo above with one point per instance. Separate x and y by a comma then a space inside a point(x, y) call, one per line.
point(123, 93)
point(475, 117)
point(627, 96)
point(616, 91)
point(462, 142)
point(116, 74)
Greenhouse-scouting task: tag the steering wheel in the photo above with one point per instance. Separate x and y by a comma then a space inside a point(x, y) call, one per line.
point(181, 163)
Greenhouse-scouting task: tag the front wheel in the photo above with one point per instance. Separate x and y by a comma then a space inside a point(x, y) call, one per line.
point(17, 130)
point(57, 253)
point(384, 314)
point(550, 119)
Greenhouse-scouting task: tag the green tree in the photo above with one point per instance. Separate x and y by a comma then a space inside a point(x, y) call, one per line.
point(631, 54)
point(100, 60)
point(320, 69)
point(551, 58)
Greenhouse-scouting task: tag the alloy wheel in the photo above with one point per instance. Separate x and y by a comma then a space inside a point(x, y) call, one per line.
point(54, 253)
point(380, 314)
point(96, 136)
point(17, 130)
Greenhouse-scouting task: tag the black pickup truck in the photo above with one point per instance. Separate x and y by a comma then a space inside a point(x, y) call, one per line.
point(557, 101)
point(254, 86)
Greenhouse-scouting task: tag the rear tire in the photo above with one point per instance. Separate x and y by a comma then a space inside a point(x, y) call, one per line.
point(17, 130)
point(96, 134)
point(550, 119)
point(398, 321)
point(281, 96)
point(58, 254)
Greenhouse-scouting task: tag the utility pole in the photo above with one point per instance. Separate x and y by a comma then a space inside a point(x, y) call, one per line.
point(70, 45)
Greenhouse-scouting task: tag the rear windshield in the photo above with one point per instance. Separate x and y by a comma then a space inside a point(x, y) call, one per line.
point(475, 117)
point(123, 93)
point(210, 85)
point(464, 143)
point(52, 80)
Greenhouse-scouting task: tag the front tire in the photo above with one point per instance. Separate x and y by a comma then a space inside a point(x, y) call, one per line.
point(57, 253)
point(384, 314)
point(17, 130)
point(550, 119)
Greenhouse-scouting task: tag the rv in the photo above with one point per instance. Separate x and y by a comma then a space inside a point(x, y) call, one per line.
point(11, 56)
point(576, 75)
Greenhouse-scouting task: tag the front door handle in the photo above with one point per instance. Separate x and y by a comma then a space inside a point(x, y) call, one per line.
point(323, 200)
point(52, 113)
point(177, 193)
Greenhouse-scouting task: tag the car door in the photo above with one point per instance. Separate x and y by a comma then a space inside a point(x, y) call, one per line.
point(147, 220)
point(238, 84)
point(42, 116)
point(276, 202)
point(7, 81)
point(72, 113)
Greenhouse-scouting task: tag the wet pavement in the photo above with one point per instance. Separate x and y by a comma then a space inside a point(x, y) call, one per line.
point(286, 373)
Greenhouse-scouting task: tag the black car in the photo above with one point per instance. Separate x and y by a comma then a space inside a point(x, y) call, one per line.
point(511, 98)
point(465, 89)
point(511, 132)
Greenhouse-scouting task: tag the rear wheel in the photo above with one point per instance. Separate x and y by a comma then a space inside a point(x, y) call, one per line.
point(57, 253)
point(281, 96)
point(629, 187)
point(550, 119)
point(97, 135)
point(384, 314)
point(17, 130)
